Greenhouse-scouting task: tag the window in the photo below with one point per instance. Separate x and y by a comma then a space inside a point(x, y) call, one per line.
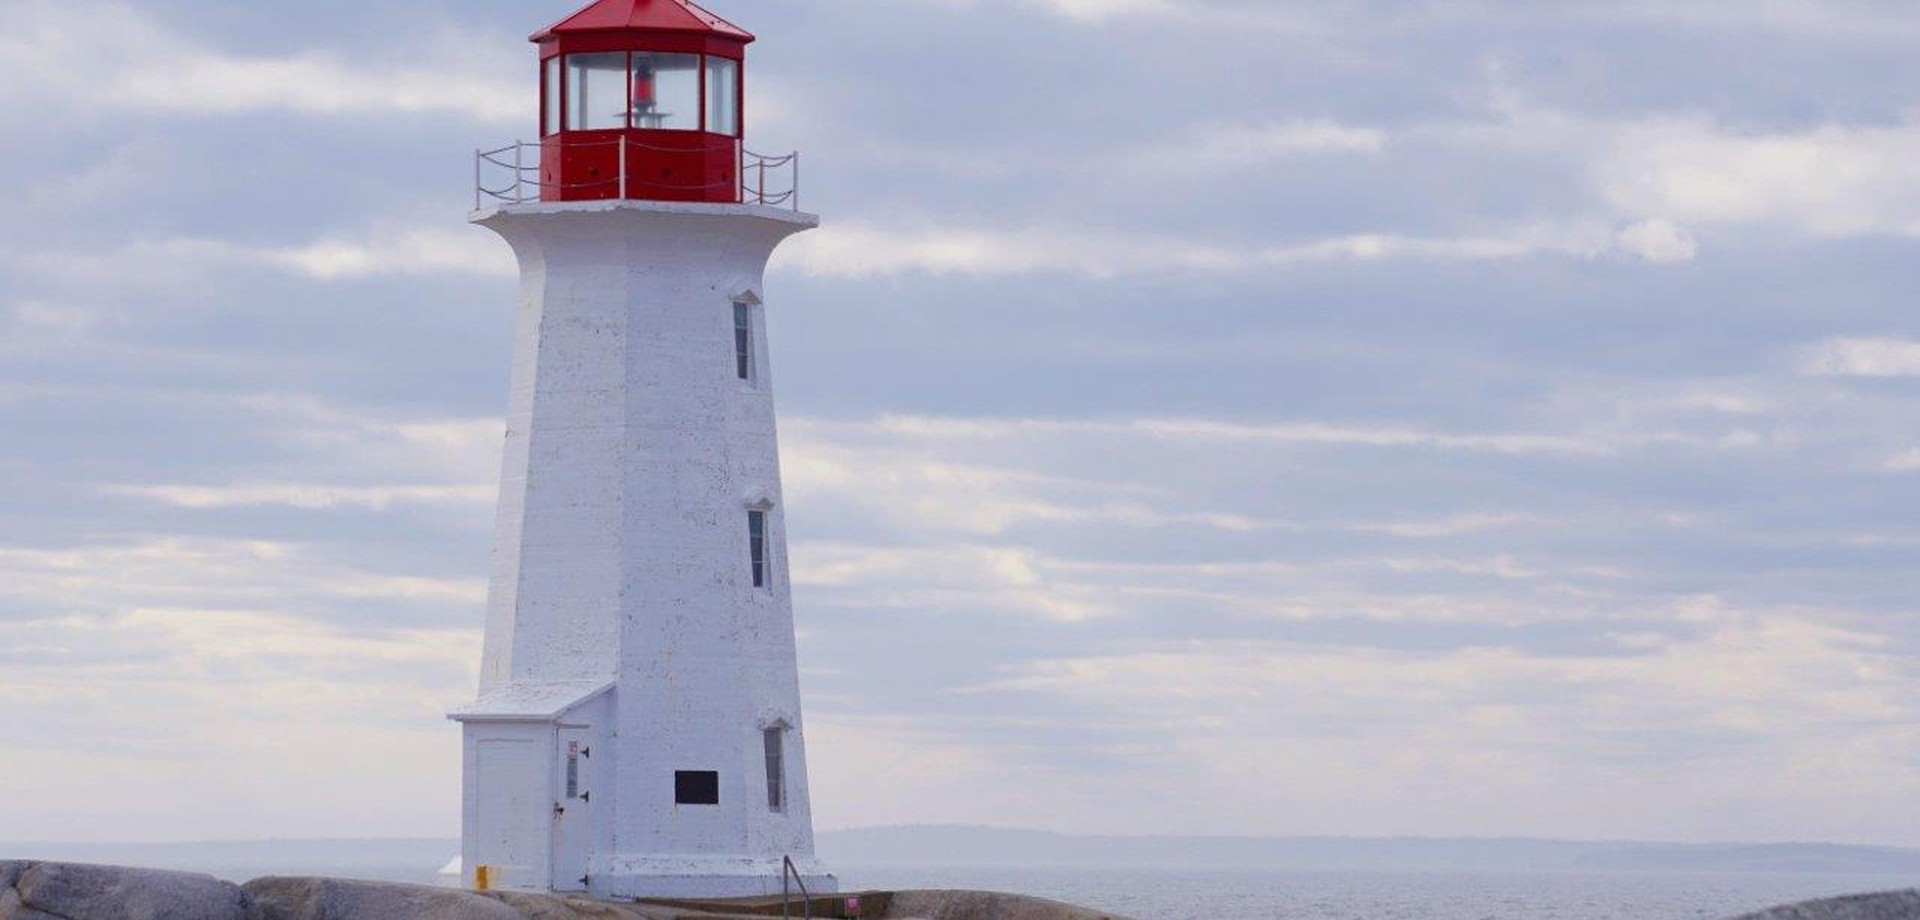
point(573, 771)
point(647, 90)
point(776, 738)
point(666, 91)
point(596, 91)
point(550, 105)
point(696, 787)
point(757, 546)
point(723, 96)
point(743, 339)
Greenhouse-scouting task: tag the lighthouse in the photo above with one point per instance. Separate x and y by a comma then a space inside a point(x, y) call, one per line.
point(637, 730)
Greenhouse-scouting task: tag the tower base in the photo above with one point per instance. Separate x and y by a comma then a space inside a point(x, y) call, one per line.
point(627, 877)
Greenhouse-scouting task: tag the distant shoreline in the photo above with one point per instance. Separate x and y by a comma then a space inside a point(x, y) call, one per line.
point(957, 846)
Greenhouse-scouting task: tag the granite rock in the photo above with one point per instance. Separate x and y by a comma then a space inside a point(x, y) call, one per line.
point(337, 899)
point(555, 907)
point(985, 905)
point(69, 891)
point(10, 909)
point(1890, 905)
point(63, 891)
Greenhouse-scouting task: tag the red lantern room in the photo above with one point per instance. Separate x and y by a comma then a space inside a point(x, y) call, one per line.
point(641, 99)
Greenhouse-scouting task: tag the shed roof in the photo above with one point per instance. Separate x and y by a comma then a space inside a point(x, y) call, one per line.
point(530, 701)
point(645, 15)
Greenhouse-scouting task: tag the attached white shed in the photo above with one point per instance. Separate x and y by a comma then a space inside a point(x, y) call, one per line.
point(521, 739)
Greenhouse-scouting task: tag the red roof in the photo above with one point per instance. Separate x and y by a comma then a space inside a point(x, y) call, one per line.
point(646, 15)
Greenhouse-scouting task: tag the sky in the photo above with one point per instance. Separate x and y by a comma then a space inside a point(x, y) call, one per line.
point(1490, 417)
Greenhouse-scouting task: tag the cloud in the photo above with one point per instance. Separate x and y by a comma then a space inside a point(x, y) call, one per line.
point(906, 482)
point(374, 253)
point(454, 453)
point(870, 769)
point(1859, 21)
point(1659, 241)
point(1228, 146)
point(1092, 12)
point(306, 496)
point(1773, 672)
point(197, 701)
point(1322, 434)
point(1907, 462)
point(206, 573)
point(101, 59)
point(1213, 16)
point(942, 578)
point(960, 516)
point(1738, 709)
point(1101, 10)
point(40, 316)
point(1854, 21)
point(859, 250)
point(186, 648)
point(1827, 180)
point(1720, 401)
point(1662, 176)
point(383, 462)
point(1454, 525)
point(927, 580)
point(1310, 433)
point(1863, 357)
point(396, 252)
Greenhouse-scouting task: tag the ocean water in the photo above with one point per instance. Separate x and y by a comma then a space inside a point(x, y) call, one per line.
point(1375, 895)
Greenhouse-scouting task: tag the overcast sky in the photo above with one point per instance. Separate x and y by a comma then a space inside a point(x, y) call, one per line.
point(1363, 417)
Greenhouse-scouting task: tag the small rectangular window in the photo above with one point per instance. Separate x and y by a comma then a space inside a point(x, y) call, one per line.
point(743, 340)
point(757, 546)
point(776, 769)
point(550, 104)
point(696, 787)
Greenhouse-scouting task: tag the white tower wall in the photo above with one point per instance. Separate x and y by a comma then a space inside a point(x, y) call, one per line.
point(634, 455)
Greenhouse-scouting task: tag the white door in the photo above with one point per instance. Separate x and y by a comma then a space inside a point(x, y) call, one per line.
point(507, 835)
point(572, 810)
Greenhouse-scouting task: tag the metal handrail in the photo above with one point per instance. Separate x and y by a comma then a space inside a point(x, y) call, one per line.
point(789, 871)
point(504, 176)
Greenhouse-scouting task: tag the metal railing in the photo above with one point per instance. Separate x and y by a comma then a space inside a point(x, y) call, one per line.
point(790, 875)
point(509, 175)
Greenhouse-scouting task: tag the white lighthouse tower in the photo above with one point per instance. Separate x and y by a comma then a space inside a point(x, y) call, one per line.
point(637, 730)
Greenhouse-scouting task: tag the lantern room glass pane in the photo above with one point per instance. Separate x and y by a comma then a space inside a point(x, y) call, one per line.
point(666, 91)
point(723, 96)
point(550, 83)
point(596, 91)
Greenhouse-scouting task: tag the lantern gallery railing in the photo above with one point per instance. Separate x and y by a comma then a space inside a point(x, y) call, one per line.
point(512, 175)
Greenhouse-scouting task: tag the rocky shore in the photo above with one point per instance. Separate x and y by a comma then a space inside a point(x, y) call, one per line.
point(67, 891)
point(1890, 905)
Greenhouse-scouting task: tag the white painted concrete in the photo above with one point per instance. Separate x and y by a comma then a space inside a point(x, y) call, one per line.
point(633, 455)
